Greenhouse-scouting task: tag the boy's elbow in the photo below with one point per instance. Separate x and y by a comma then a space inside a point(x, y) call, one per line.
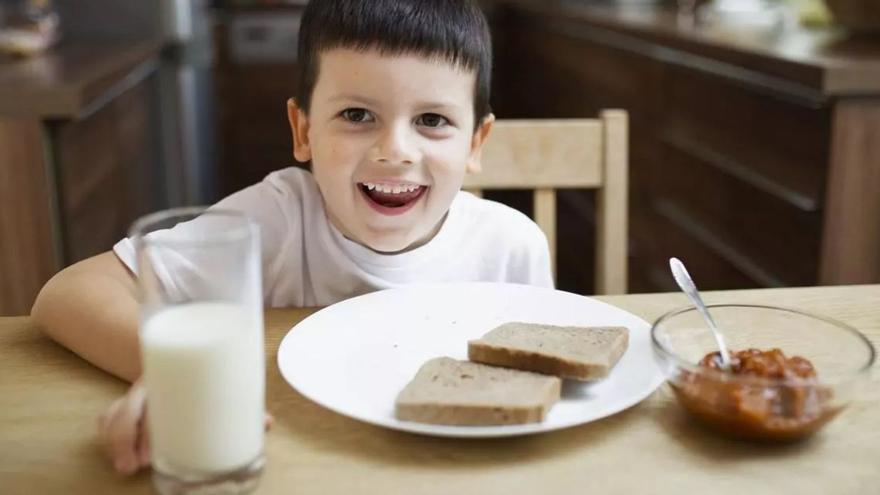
point(49, 303)
point(80, 291)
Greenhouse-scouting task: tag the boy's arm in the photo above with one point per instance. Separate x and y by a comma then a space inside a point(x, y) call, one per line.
point(91, 308)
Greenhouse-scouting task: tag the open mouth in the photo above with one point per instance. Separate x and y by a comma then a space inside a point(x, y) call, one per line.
point(392, 199)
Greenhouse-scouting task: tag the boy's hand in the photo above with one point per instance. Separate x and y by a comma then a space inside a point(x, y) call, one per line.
point(123, 430)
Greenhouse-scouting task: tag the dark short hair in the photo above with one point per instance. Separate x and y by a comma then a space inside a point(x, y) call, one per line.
point(451, 30)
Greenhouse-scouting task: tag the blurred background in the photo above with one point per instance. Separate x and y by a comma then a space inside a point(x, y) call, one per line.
point(755, 126)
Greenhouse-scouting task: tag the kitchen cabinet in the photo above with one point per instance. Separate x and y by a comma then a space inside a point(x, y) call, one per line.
point(79, 157)
point(757, 161)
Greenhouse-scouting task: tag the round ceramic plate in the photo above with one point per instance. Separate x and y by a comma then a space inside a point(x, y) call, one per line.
point(355, 356)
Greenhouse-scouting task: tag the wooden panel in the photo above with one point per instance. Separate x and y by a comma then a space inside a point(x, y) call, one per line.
point(140, 157)
point(253, 132)
point(95, 229)
point(558, 75)
point(851, 240)
point(576, 240)
point(27, 257)
point(251, 153)
point(776, 146)
point(92, 188)
point(88, 156)
point(757, 233)
point(526, 154)
point(673, 233)
point(107, 173)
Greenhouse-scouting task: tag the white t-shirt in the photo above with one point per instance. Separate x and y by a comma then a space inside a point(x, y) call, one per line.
point(308, 262)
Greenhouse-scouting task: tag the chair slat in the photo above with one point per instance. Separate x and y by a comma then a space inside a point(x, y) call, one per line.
point(545, 155)
point(525, 154)
point(545, 217)
point(611, 207)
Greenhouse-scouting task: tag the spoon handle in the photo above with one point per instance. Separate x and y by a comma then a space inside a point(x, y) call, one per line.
point(683, 279)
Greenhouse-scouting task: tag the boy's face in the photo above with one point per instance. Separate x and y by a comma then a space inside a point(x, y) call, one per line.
point(390, 139)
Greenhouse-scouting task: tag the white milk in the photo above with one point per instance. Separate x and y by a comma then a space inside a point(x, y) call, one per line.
point(205, 380)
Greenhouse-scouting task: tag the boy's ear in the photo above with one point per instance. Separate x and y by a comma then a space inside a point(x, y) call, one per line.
point(299, 127)
point(480, 135)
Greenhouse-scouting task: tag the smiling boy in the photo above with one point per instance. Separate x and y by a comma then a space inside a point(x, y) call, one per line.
point(392, 111)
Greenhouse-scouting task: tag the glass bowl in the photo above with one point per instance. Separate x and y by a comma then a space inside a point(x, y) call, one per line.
point(753, 407)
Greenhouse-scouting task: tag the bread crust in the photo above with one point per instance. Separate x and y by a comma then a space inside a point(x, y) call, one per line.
point(512, 355)
point(450, 392)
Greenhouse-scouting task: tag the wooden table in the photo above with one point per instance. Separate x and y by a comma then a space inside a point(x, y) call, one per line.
point(49, 400)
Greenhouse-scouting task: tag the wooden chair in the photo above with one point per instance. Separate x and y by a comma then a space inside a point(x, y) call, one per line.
point(546, 155)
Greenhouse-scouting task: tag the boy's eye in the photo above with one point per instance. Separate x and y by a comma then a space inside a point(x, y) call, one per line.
point(357, 115)
point(432, 120)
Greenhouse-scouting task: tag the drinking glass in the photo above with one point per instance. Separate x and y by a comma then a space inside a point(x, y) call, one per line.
point(201, 335)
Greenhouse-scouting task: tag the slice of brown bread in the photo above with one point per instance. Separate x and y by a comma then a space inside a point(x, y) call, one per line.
point(580, 353)
point(451, 392)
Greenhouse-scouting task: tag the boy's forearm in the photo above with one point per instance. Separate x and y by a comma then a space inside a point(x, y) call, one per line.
point(91, 309)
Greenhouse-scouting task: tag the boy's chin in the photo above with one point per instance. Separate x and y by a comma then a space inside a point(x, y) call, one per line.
point(392, 244)
point(386, 246)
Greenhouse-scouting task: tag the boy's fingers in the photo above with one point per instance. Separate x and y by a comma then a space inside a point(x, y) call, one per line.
point(123, 438)
point(105, 426)
point(123, 432)
point(104, 419)
point(269, 420)
point(109, 424)
point(143, 441)
point(144, 452)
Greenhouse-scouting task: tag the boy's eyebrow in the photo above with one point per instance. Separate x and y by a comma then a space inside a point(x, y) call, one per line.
point(422, 105)
point(437, 105)
point(355, 98)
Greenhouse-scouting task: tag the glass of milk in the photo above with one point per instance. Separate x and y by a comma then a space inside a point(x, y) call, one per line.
point(201, 334)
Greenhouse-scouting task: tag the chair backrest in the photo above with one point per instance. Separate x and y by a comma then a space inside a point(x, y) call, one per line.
point(546, 155)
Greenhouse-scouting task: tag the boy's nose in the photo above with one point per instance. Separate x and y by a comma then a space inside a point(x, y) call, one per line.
point(395, 146)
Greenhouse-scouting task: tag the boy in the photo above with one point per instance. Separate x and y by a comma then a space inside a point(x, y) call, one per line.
point(392, 110)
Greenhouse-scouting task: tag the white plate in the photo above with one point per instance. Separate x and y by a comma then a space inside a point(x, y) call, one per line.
point(355, 356)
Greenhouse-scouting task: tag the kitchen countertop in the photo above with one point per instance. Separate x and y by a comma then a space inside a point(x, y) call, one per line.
point(74, 77)
point(820, 63)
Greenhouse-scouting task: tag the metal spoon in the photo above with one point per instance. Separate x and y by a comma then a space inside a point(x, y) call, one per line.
point(683, 279)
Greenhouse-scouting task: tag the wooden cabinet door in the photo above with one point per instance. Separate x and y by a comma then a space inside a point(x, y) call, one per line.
point(108, 171)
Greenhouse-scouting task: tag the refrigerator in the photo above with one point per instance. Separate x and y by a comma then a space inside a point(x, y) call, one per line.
point(188, 111)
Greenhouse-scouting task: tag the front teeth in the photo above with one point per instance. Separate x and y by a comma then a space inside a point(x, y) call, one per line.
point(389, 189)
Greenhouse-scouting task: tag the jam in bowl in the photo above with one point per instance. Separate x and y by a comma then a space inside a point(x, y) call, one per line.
point(790, 374)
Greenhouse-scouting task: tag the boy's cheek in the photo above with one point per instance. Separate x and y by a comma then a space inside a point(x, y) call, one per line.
point(452, 153)
point(335, 147)
point(349, 143)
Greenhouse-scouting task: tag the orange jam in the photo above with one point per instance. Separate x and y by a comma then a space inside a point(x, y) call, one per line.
point(757, 409)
